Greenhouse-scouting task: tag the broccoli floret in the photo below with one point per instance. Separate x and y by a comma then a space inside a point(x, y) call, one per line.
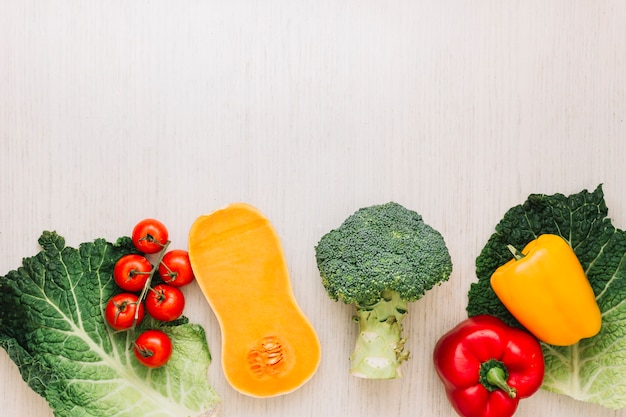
point(379, 259)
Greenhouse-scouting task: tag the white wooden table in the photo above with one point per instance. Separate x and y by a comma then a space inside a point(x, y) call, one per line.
point(115, 111)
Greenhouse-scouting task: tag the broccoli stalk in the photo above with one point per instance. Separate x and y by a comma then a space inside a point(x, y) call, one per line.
point(381, 258)
point(379, 348)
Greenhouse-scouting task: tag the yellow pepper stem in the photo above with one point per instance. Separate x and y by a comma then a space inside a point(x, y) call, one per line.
point(516, 253)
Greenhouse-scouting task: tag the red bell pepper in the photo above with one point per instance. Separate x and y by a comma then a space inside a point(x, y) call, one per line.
point(487, 366)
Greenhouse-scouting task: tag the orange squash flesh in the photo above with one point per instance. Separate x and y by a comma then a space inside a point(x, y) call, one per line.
point(269, 347)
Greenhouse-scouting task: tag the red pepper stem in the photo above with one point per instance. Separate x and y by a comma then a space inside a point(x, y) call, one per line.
point(516, 253)
point(496, 376)
point(493, 375)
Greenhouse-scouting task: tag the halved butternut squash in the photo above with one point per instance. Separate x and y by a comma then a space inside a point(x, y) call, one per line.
point(269, 347)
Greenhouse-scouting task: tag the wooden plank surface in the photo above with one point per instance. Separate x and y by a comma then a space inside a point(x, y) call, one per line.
point(115, 111)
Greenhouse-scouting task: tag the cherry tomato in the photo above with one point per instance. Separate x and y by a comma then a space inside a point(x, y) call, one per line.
point(120, 311)
point(131, 272)
point(150, 236)
point(164, 302)
point(153, 348)
point(175, 268)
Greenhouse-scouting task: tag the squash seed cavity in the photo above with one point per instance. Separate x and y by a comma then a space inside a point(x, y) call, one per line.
point(267, 358)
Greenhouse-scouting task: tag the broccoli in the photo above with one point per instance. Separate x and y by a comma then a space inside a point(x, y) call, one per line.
point(379, 259)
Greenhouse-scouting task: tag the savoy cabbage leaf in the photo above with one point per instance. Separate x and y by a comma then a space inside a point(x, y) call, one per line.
point(593, 369)
point(52, 326)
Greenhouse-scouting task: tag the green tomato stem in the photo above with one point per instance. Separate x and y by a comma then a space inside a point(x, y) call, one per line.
point(148, 283)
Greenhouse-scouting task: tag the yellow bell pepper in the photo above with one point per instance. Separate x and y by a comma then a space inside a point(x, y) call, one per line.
point(545, 288)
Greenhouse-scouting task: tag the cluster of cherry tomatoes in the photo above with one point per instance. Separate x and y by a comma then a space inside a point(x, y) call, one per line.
point(154, 289)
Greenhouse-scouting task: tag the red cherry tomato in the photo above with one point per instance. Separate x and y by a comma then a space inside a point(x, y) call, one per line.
point(150, 236)
point(165, 303)
point(120, 311)
point(153, 348)
point(131, 272)
point(175, 268)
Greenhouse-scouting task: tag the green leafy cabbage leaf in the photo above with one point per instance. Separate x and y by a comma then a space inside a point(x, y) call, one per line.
point(52, 326)
point(592, 370)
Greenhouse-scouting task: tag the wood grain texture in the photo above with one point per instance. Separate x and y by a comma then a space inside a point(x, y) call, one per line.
point(115, 111)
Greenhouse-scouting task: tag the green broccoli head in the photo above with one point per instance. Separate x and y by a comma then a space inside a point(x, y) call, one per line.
point(379, 259)
point(382, 248)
